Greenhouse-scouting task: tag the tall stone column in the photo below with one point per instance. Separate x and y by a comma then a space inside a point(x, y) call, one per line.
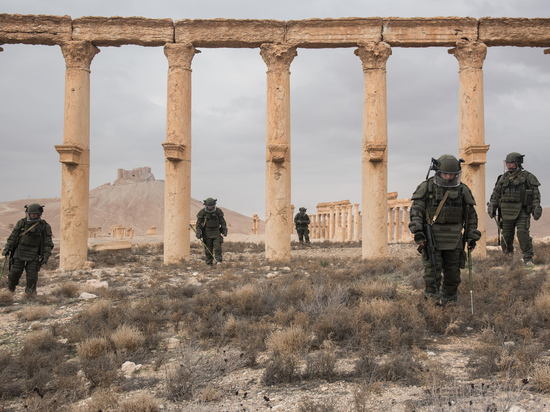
point(177, 152)
point(74, 154)
point(472, 148)
point(350, 223)
point(375, 150)
point(356, 222)
point(278, 58)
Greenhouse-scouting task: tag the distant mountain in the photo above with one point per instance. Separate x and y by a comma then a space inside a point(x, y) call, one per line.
point(136, 202)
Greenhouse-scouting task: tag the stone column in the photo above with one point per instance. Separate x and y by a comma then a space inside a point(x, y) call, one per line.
point(74, 154)
point(332, 222)
point(390, 224)
point(313, 227)
point(472, 148)
point(375, 153)
point(177, 152)
point(356, 222)
point(350, 223)
point(278, 58)
point(292, 208)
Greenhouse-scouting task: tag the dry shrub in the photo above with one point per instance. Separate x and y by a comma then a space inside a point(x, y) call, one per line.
point(68, 289)
point(210, 393)
point(391, 324)
point(11, 384)
point(324, 298)
point(31, 313)
point(366, 364)
point(542, 304)
point(289, 341)
point(100, 319)
point(142, 402)
point(194, 370)
point(400, 367)
point(6, 297)
point(488, 354)
point(306, 404)
point(128, 338)
point(280, 369)
point(322, 365)
point(338, 324)
point(541, 377)
point(102, 371)
point(93, 348)
point(101, 400)
point(378, 288)
point(245, 300)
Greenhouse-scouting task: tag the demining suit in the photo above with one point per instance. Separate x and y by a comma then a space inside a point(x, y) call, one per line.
point(515, 197)
point(443, 221)
point(210, 227)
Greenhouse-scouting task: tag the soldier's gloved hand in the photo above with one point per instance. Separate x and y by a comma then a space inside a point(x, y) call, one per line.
point(419, 238)
point(199, 234)
point(537, 213)
point(5, 252)
point(472, 244)
point(224, 231)
point(491, 210)
point(43, 260)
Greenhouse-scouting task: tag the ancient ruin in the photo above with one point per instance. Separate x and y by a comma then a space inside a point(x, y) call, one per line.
point(255, 224)
point(372, 40)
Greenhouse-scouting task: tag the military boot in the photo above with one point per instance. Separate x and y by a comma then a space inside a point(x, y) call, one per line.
point(11, 286)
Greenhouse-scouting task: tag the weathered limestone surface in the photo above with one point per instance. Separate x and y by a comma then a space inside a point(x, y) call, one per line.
point(116, 31)
point(229, 32)
point(324, 33)
point(514, 32)
point(34, 29)
point(423, 32)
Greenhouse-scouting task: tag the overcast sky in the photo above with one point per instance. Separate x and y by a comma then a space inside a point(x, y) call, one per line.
point(128, 104)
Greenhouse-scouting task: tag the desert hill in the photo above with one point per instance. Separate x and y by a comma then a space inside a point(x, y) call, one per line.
point(135, 199)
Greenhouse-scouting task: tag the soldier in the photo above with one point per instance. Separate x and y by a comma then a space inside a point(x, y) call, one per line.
point(30, 246)
point(443, 207)
point(516, 196)
point(301, 221)
point(210, 228)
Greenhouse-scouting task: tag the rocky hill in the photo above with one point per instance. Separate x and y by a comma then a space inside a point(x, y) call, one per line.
point(135, 199)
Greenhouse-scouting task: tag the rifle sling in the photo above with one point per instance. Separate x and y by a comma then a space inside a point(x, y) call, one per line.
point(28, 229)
point(438, 208)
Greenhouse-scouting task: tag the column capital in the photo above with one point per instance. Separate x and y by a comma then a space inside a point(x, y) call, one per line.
point(374, 55)
point(278, 56)
point(180, 54)
point(470, 54)
point(78, 54)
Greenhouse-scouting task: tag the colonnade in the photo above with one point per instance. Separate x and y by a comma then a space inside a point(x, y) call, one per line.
point(398, 219)
point(372, 39)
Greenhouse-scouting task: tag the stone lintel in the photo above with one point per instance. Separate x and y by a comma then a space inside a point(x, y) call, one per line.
point(116, 31)
point(476, 155)
point(229, 32)
point(174, 151)
point(428, 31)
point(34, 29)
point(277, 152)
point(69, 154)
point(375, 152)
point(399, 203)
point(326, 33)
point(514, 32)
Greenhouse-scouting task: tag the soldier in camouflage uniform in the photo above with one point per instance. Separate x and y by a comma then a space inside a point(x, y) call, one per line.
point(210, 228)
point(448, 205)
point(30, 246)
point(517, 194)
point(301, 221)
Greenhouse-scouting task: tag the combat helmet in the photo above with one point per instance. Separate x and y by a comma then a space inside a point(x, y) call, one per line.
point(34, 208)
point(303, 209)
point(516, 158)
point(448, 165)
point(210, 204)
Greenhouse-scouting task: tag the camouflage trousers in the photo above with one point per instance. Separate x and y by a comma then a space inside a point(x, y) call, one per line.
point(213, 246)
point(448, 263)
point(522, 223)
point(31, 268)
point(303, 233)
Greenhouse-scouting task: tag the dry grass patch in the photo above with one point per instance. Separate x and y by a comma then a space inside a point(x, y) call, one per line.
point(6, 297)
point(128, 338)
point(32, 313)
point(142, 402)
point(289, 341)
point(93, 348)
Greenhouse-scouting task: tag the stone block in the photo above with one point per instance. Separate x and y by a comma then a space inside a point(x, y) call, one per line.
point(426, 31)
point(345, 32)
point(116, 31)
point(229, 32)
point(514, 32)
point(118, 245)
point(34, 29)
point(69, 154)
